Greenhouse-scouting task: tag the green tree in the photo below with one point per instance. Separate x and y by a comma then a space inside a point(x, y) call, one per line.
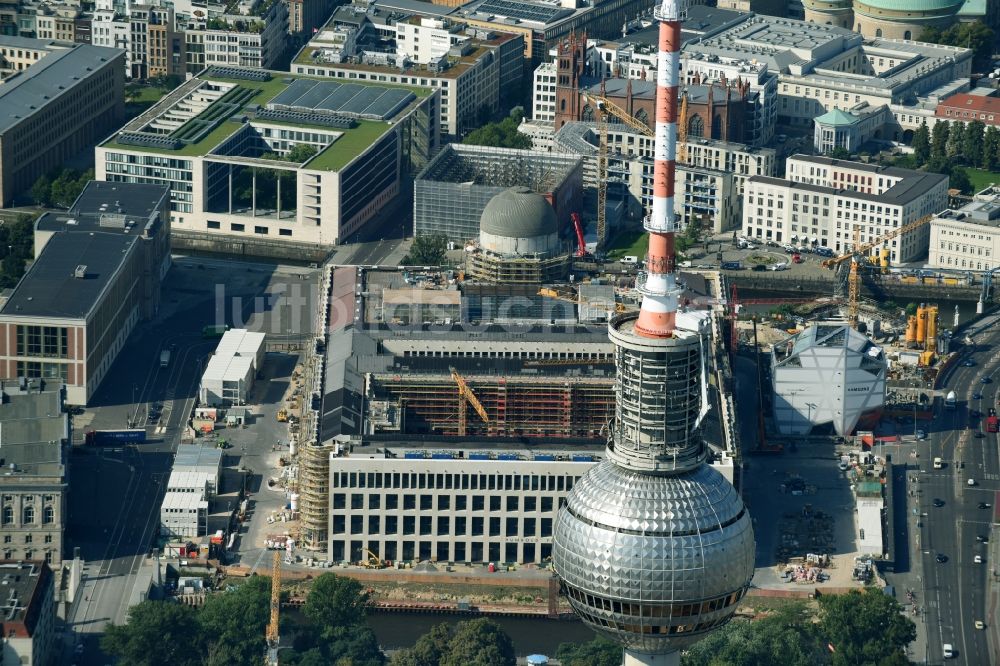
point(972, 142)
point(429, 649)
point(427, 250)
point(156, 633)
point(503, 134)
point(922, 143)
point(481, 642)
point(939, 139)
point(959, 180)
point(839, 153)
point(598, 652)
point(41, 191)
point(335, 601)
point(17, 247)
point(955, 136)
point(785, 637)
point(234, 622)
point(991, 148)
point(864, 627)
point(300, 152)
point(975, 36)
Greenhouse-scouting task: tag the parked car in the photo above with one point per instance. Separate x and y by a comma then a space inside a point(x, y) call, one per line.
point(938, 502)
point(985, 379)
point(968, 363)
point(759, 267)
point(921, 434)
point(796, 258)
point(941, 558)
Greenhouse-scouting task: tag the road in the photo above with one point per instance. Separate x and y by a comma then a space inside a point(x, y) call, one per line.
point(116, 492)
point(956, 591)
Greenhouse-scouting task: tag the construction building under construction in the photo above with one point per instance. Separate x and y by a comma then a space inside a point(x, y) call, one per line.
point(452, 191)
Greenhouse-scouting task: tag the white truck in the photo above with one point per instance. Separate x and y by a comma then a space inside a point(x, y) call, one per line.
point(164, 358)
point(950, 401)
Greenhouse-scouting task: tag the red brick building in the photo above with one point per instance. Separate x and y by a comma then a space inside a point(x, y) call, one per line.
point(966, 108)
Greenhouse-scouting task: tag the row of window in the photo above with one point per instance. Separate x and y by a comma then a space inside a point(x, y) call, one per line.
point(452, 481)
point(441, 526)
point(27, 515)
point(28, 538)
point(236, 226)
point(443, 503)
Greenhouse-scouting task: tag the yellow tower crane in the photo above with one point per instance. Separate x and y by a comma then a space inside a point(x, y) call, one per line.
point(607, 108)
point(272, 627)
point(858, 253)
point(465, 395)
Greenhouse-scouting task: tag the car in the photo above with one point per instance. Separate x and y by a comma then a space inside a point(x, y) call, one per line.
point(985, 379)
point(975, 413)
point(759, 267)
point(979, 434)
point(750, 246)
point(938, 502)
point(978, 559)
point(971, 482)
point(921, 434)
point(941, 558)
point(982, 538)
point(796, 258)
point(984, 505)
point(979, 624)
point(968, 363)
point(977, 396)
point(76, 411)
point(778, 267)
point(948, 651)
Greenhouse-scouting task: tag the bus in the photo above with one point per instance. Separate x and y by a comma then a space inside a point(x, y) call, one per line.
point(992, 424)
point(214, 331)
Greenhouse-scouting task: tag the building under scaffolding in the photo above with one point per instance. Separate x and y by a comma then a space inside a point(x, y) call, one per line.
point(452, 191)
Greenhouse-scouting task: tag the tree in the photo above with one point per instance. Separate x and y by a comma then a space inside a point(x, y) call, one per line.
point(975, 36)
point(991, 148)
point(959, 180)
point(954, 145)
point(503, 134)
point(335, 601)
point(17, 247)
point(234, 622)
point(41, 191)
point(156, 633)
point(598, 652)
point(972, 142)
point(300, 152)
point(428, 650)
point(864, 627)
point(922, 143)
point(786, 636)
point(939, 138)
point(481, 642)
point(839, 153)
point(427, 250)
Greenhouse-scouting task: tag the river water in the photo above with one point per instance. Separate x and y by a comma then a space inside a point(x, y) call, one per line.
point(530, 636)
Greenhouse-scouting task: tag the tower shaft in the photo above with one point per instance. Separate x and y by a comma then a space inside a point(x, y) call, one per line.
point(658, 313)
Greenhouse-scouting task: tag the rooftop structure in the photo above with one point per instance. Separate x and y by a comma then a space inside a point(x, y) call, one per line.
point(828, 373)
point(36, 437)
point(230, 373)
point(53, 106)
point(230, 135)
point(452, 192)
point(29, 619)
point(97, 273)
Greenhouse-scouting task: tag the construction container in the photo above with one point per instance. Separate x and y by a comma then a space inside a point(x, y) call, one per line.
point(911, 330)
point(921, 324)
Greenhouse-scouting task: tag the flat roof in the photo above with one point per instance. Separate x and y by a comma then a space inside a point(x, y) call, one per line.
point(26, 92)
point(20, 581)
point(421, 297)
point(192, 455)
point(50, 288)
point(33, 427)
point(224, 367)
point(240, 341)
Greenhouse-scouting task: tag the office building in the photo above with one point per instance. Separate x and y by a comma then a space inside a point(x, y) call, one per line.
point(827, 374)
point(230, 373)
point(258, 42)
point(96, 274)
point(710, 181)
point(60, 105)
point(223, 144)
point(822, 202)
point(29, 622)
point(477, 72)
point(450, 194)
point(968, 237)
point(36, 440)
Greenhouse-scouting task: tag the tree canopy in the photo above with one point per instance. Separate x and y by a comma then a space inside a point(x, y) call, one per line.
point(155, 634)
point(865, 627)
point(427, 250)
point(503, 134)
point(598, 652)
point(480, 642)
point(975, 35)
point(17, 247)
point(335, 602)
point(60, 188)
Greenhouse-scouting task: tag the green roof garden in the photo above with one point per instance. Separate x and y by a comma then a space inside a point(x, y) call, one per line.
point(349, 145)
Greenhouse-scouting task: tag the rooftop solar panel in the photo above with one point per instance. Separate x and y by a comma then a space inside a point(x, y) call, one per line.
point(390, 103)
point(292, 92)
point(360, 102)
point(522, 10)
point(314, 96)
point(340, 97)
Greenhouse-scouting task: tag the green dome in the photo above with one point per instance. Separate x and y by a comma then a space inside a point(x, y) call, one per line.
point(518, 213)
point(924, 6)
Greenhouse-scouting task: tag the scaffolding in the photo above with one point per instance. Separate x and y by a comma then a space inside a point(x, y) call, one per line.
point(314, 494)
point(452, 191)
point(488, 267)
point(521, 406)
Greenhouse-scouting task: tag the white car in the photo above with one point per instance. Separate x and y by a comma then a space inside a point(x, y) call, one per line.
point(971, 482)
point(978, 559)
point(948, 650)
point(777, 267)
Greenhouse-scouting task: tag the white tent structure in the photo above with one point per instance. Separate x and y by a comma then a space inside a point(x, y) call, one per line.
point(230, 372)
point(828, 373)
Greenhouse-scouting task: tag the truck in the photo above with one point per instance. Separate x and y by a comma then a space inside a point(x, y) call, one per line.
point(214, 331)
point(992, 424)
point(731, 265)
point(123, 436)
point(950, 401)
point(164, 358)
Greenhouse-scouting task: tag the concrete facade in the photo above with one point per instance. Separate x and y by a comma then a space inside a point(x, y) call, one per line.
point(29, 623)
point(968, 237)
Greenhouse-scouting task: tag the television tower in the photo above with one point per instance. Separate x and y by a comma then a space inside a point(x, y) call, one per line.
point(655, 548)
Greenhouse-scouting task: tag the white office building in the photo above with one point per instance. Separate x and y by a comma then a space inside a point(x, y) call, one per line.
point(969, 237)
point(230, 373)
point(822, 202)
point(828, 373)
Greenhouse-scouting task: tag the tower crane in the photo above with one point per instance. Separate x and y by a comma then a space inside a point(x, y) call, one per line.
point(607, 108)
point(465, 394)
point(272, 627)
point(857, 254)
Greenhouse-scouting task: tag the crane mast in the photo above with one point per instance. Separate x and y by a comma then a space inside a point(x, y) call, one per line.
point(273, 639)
